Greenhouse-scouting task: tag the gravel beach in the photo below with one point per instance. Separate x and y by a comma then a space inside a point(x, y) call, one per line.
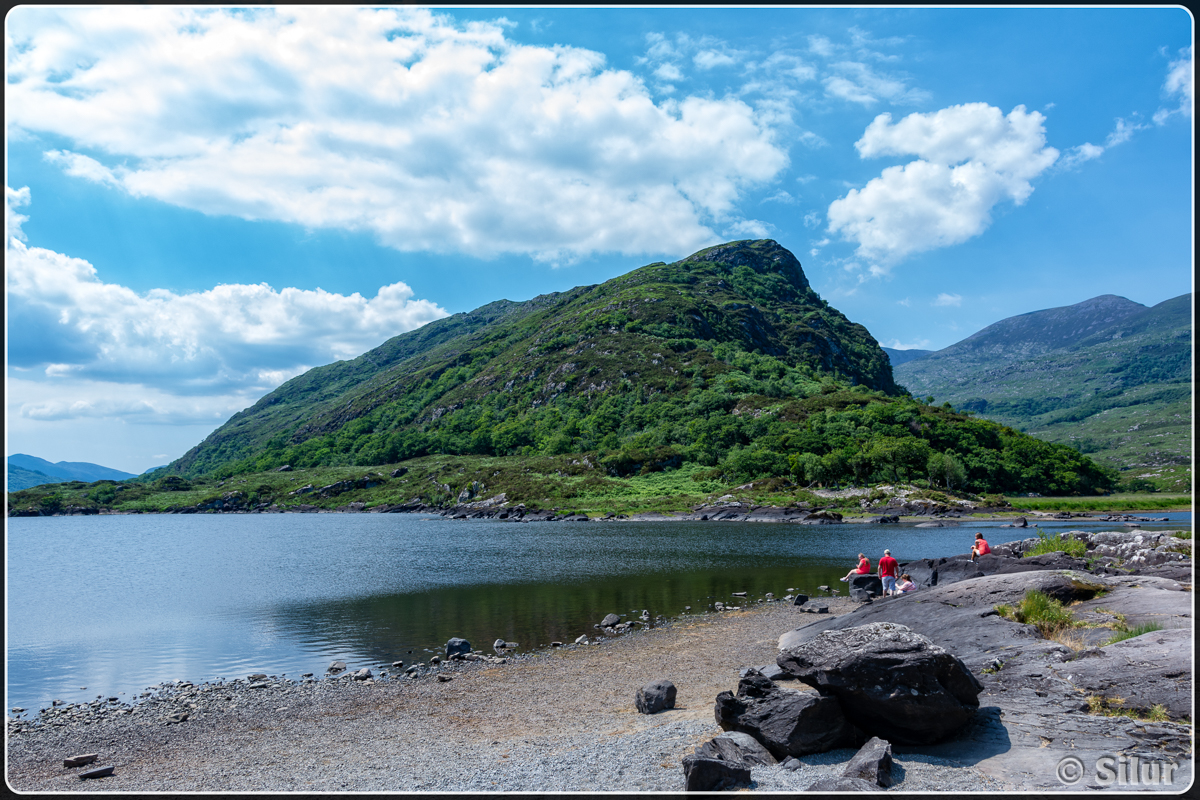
point(558, 721)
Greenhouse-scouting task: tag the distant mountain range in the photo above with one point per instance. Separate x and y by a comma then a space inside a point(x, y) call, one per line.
point(898, 357)
point(25, 471)
point(1108, 376)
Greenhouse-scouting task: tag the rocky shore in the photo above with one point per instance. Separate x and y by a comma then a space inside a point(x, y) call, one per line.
point(565, 719)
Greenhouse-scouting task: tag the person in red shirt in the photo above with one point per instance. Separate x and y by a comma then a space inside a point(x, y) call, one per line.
point(887, 573)
point(981, 547)
point(863, 568)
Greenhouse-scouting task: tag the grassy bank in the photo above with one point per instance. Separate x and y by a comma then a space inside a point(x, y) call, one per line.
point(568, 483)
point(1113, 503)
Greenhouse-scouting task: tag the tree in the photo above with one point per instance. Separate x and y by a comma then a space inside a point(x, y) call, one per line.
point(946, 469)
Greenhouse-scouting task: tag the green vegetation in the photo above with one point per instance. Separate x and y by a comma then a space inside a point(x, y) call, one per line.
point(1041, 611)
point(1107, 377)
point(1115, 707)
point(1130, 633)
point(725, 360)
point(723, 372)
point(1053, 544)
point(1119, 502)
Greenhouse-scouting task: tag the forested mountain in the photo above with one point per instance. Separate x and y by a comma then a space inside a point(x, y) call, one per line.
point(1108, 376)
point(726, 359)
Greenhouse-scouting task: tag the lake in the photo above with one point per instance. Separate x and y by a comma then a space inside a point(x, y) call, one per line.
point(119, 603)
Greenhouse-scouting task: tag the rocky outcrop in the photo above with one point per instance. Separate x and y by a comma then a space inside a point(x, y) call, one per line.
point(785, 721)
point(893, 682)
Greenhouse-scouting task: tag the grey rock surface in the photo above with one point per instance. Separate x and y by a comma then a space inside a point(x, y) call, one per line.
point(736, 747)
point(842, 784)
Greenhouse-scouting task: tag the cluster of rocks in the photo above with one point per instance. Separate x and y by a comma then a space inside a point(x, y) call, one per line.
point(875, 683)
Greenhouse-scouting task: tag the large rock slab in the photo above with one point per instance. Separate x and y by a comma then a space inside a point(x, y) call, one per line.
point(831, 783)
point(893, 682)
point(785, 721)
point(1140, 673)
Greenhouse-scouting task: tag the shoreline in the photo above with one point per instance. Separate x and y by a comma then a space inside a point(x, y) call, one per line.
point(553, 719)
point(560, 720)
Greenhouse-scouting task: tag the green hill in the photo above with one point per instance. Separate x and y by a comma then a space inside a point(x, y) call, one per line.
point(726, 360)
point(1108, 376)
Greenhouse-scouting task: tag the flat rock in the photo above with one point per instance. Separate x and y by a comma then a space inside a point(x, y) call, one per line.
point(99, 772)
point(80, 760)
point(1148, 670)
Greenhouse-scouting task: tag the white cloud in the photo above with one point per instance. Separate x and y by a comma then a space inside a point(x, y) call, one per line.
point(919, 344)
point(972, 157)
point(859, 83)
point(1180, 84)
point(67, 327)
point(944, 299)
point(1077, 155)
point(905, 302)
point(711, 59)
point(429, 134)
point(780, 196)
point(13, 199)
point(812, 219)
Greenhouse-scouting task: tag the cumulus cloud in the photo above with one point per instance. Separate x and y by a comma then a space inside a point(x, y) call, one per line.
point(861, 83)
point(971, 158)
point(209, 350)
point(945, 299)
point(14, 199)
point(430, 134)
point(1180, 86)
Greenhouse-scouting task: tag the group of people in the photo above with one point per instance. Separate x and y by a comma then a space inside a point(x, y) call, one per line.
point(888, 568)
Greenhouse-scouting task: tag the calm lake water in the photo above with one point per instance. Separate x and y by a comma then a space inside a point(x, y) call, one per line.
point(120, 603)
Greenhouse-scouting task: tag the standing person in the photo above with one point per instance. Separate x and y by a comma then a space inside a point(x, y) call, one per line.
point(980, 548)
point(887, 573)
point(863, 568)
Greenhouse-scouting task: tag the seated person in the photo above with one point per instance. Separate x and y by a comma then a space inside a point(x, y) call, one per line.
point(863, 568)
point(906, 584)
point(980, 548)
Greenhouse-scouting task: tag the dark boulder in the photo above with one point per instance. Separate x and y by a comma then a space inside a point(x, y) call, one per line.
point(456, 646)
point(737, 748)
point(785, 721)
point(863, 587)
point(655, 696)
point(610, 620)
point(893, 682)
point(800, 600)
point(872, 763)
point(713, 775)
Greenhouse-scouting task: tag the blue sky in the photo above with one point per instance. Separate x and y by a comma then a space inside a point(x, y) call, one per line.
point(203, 203)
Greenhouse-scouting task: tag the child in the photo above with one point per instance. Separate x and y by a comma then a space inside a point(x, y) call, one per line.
point(906, 584)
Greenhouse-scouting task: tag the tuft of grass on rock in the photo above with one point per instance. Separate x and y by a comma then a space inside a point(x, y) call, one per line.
point(1131, 633)
point(1041, 611)
point(1073, 547)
